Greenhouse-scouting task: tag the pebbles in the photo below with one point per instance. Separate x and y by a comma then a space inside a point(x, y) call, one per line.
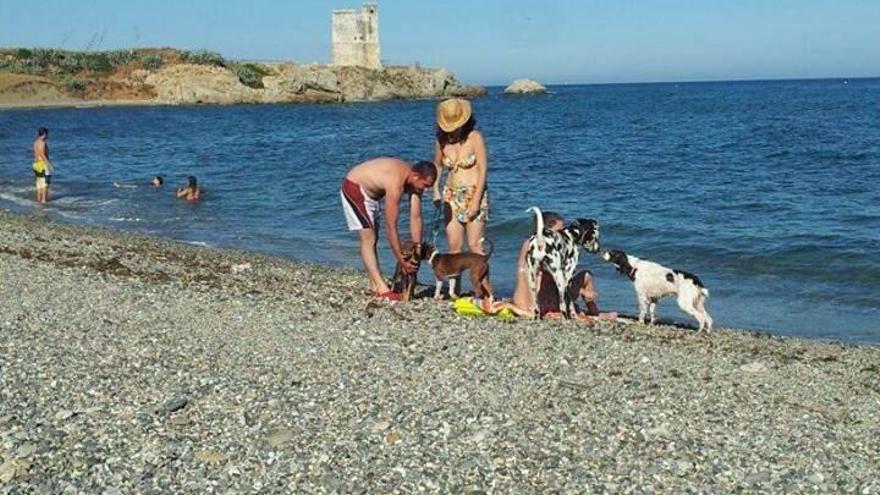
point(169, 370)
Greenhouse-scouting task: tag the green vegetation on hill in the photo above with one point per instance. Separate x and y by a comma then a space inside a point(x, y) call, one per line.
point(76, 68)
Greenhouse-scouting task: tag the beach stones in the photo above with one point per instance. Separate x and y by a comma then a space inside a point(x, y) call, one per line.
point(210, 380)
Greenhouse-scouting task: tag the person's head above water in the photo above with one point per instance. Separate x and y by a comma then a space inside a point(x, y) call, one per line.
point(43, 132)
point(191, 181)
point(157, 181)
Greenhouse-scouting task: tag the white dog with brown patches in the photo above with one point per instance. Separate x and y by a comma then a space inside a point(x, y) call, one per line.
point(653, 282)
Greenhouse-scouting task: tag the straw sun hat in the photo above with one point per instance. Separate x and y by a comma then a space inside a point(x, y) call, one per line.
point(453, 113)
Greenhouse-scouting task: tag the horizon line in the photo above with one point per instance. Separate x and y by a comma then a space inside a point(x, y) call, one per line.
point(698, 81)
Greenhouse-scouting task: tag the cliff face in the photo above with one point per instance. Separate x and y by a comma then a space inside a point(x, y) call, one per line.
point(169, 76)
point(188, 84)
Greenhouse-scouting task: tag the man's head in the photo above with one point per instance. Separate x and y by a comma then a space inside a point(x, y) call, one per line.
point(422, 177)
point(42, 132)
point(157, 181)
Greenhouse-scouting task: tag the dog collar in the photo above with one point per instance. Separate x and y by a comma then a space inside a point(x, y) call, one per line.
point(632, 273)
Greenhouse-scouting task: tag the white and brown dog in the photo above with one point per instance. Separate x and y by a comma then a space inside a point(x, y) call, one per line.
point(653, 282)
point(448, 265)
point(557, 253)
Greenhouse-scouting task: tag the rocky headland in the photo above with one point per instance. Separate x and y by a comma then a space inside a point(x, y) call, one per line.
point(34, 77)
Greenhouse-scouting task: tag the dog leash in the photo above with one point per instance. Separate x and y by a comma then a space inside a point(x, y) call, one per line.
point(435, 224)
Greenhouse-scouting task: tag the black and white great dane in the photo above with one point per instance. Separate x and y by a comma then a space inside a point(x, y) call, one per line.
point(557, 253)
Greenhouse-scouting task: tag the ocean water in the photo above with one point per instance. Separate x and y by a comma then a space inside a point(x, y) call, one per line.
point(767, 190)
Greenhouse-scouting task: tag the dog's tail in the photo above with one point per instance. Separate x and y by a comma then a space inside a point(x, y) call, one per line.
point(539, 232)
point(491, 247)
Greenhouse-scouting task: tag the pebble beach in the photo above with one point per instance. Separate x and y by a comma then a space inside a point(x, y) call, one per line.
point(131, 364)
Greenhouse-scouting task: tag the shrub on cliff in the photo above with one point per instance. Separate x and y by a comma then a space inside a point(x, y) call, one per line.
point(250, 75)
point(75, 85)
point(205, 57)
point(151, 61)
point(52, 62)
point(118, 58)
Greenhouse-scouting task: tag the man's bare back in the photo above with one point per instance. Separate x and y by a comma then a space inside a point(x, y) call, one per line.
point(380, 176)
point(42, 166)
point(41, 150)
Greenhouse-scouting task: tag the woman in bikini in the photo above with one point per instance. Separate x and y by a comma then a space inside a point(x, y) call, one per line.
point(460, 149)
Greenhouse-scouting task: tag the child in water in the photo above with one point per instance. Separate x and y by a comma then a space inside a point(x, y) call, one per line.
point(155, 181)
point(192, 191)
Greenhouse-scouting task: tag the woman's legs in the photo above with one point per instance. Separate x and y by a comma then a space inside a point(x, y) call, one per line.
point(474, 234)
point(454, 234)
point(454, 240)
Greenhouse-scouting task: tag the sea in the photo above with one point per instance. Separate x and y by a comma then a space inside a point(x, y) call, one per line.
point(769, 191)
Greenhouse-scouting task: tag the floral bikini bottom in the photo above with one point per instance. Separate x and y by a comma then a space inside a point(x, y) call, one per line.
point(459, 199)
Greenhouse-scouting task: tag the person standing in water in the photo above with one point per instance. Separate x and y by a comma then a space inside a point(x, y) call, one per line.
point(42, 166)
point(459, 148)
point(192, 191)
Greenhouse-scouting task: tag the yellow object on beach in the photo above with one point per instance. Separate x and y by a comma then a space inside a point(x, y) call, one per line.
point(40, 167)
point(468, 307)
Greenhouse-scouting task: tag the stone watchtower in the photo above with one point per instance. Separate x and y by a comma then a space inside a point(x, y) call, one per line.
point(356, 37)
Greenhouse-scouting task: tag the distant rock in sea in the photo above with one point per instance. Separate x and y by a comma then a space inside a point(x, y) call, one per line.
point(525, 87)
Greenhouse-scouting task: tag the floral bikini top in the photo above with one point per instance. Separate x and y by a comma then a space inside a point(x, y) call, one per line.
point(465, 163)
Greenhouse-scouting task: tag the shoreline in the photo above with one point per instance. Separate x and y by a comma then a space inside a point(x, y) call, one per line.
point(38, 105)
point(137, 364)
point(155, 103)
point(160, 242)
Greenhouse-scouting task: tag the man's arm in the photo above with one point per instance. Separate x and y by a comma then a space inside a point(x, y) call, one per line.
point(49, 166)
point(392, 212)
point(415, 217)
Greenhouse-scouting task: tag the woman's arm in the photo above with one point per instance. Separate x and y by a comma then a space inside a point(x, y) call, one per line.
point(482, 168)
point(438, 164)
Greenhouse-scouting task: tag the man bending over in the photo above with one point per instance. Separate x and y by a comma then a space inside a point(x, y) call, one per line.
point(362, 190)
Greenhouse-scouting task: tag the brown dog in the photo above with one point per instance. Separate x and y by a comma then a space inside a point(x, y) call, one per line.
point(405, 283)
point(447, 265)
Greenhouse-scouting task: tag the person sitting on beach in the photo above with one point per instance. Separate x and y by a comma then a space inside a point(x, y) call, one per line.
point(42, 166)
point(581, 286)
point(192, 191)
point(362, 190)
point(155, 181)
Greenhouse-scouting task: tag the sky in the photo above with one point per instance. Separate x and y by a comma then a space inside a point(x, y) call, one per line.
point(493, 41)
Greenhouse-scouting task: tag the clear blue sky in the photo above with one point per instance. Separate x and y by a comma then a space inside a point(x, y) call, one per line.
point(493, 41)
